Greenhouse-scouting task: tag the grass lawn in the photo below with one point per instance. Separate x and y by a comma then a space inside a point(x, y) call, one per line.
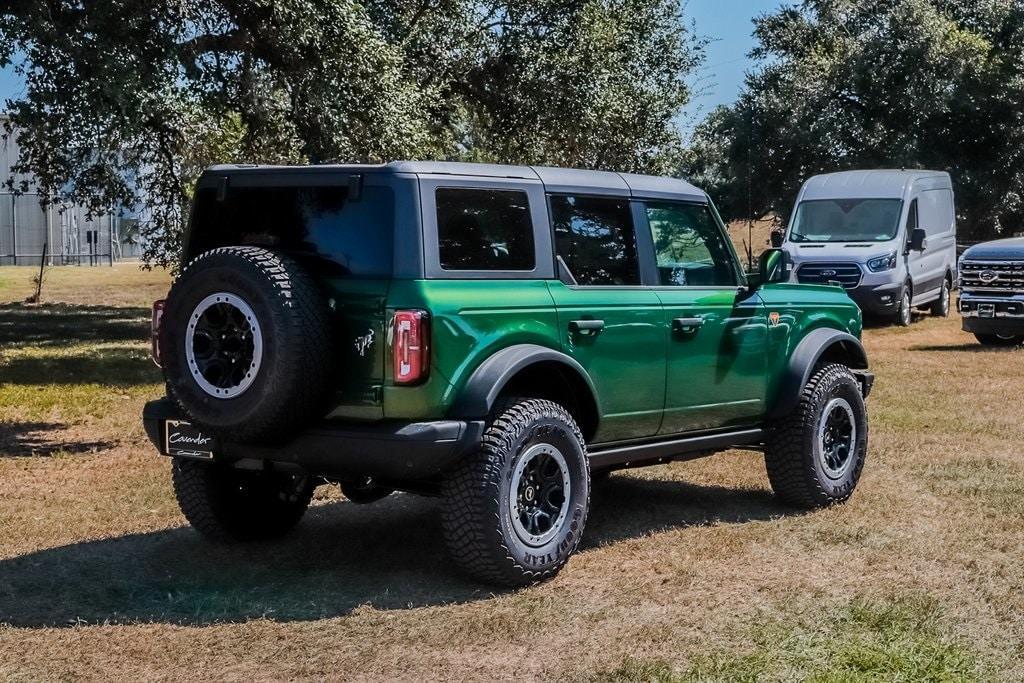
point(689, 571)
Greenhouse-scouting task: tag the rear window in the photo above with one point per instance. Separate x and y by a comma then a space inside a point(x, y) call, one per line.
point(355, 236)
point(484, 229)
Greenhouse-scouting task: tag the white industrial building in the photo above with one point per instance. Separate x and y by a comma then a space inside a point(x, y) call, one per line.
point(69, 235)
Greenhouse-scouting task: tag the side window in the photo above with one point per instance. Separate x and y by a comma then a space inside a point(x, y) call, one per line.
point(912, 217)
point(935, 214)
point(595, 237)
point(481, 229)
point(689, 246)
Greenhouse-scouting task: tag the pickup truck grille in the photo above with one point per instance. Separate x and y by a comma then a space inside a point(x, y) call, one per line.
point(846, 274)
point(992, 277)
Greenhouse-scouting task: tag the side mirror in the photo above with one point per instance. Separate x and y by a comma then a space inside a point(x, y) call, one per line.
point(771, 268)
point(777, 237)
point(918, 239)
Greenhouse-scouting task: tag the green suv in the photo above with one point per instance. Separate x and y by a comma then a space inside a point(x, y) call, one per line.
point(497, 336)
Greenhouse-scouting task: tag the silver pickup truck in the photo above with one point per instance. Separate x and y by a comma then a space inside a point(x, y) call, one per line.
point(992, 292)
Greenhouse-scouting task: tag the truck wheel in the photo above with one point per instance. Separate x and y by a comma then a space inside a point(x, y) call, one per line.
point(246, 344)
point(904, 314)
point(940, 306)
point(515, 510)
point(815, 455)
point(226, 504)
point(999, 339)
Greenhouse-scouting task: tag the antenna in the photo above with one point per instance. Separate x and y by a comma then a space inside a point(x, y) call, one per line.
point(750, 191)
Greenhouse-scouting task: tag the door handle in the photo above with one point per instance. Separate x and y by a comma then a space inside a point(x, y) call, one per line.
point(687, 325)
point(586, 327)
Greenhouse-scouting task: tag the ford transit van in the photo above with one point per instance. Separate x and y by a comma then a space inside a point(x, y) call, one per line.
point(887, 237)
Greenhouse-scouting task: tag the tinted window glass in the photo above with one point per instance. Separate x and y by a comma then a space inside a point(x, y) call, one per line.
point(355, 236)
point(689, 246)
point(846, 220)
point(594, 235)
point(484, 230)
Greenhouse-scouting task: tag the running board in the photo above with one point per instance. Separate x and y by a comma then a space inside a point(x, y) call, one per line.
point(673, 449)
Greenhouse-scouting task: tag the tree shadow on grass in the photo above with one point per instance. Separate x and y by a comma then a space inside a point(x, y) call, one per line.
point(61, 324)
point(969, 348)
point(389, 555)
point(39, 439)
point(113, 365)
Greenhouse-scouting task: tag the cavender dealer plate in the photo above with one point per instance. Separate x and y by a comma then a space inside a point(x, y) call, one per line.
point(183, 439)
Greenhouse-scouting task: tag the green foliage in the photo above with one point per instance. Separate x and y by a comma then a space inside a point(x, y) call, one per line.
point(128, 100)
point(876, 83)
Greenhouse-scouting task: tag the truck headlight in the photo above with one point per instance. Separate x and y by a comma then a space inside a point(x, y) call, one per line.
point(880, 263)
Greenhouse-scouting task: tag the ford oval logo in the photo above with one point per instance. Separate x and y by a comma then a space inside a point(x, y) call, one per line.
point(988, 276)
point(828, 273)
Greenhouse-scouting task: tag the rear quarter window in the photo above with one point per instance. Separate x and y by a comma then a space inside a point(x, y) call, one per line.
point(355, 236)
point(484, 229)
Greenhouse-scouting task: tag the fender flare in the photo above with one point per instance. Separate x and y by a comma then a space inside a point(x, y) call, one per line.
point(808, 352)
point(481, 391)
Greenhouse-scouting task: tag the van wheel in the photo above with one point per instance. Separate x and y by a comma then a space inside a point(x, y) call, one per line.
point(904, 313)
point(514, 511)
point(999, 339)
point(226, 504)
point(940, 306)
point(815, 455)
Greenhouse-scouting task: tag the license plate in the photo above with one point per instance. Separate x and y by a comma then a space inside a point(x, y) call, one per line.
point(986, 310)
point(186, 440)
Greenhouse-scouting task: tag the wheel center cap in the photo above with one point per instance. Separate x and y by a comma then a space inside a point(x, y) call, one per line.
point(529, 494)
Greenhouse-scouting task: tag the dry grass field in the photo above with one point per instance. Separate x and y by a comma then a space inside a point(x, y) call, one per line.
point(690, 571)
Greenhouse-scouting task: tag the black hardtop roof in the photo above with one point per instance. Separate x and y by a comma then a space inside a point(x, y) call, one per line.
point(554, 179)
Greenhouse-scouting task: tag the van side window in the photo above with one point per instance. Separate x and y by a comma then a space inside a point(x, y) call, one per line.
point(595, 237)
point(935, 213)
point(690, 248)
point(912, 217)
point(484, 229)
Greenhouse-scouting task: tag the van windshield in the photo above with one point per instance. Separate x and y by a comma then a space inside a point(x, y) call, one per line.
point(846, 220)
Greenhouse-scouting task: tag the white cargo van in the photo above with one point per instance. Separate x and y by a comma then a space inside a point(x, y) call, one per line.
point(888, 237)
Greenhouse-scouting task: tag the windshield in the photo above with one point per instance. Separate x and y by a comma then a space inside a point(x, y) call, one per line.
point(846, 220)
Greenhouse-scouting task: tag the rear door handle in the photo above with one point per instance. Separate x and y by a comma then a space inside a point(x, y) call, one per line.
point(687, 325)
point(586, 326)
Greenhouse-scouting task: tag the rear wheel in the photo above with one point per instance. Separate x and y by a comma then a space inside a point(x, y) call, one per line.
point(225, 504)
point(999, 339)
point(814, 456)
point(940, 306)
point(514, 512)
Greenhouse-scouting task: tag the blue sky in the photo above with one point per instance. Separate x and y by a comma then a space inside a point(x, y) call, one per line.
point(726, 22)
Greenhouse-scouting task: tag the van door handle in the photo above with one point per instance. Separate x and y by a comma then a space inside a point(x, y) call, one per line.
point(586, 327)
point(687, 325)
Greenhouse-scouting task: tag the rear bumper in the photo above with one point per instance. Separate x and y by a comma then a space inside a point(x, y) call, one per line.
point(389, 451)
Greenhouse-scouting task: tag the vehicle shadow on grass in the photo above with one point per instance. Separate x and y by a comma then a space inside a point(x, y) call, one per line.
point(969, 348)
point(388, 555)
point(42, 439)
point(61, 324)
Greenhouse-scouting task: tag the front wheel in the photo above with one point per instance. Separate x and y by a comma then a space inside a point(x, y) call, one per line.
point(999, 339)
point(814, 456)
point(904, 315)
point(514, 511)
point(225, 504)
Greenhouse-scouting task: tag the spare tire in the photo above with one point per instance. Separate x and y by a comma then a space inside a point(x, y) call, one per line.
point(246, 344)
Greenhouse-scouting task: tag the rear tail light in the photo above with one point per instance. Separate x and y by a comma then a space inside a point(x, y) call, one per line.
point(154, 329)
point(410, 346)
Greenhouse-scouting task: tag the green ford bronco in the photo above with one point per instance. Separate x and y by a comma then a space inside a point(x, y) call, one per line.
point(498, 336)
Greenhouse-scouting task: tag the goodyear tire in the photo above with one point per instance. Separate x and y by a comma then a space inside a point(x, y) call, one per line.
point(225, 504)
point(514, 511)
point(246, 344)
point(815, 455)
